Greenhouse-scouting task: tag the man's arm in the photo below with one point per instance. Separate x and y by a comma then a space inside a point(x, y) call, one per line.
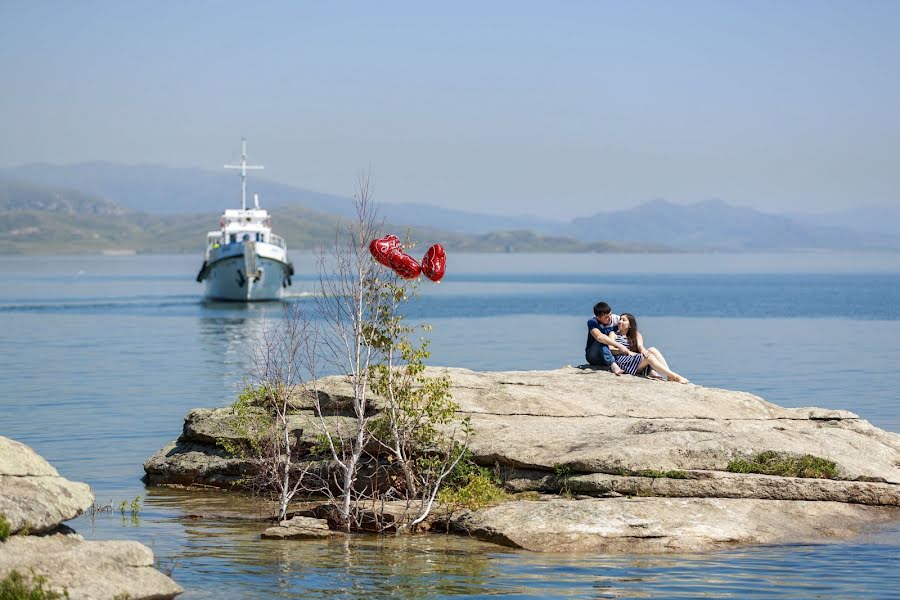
point(608, 340)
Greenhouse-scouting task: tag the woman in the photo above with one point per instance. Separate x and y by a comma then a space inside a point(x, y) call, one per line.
point(639, 359)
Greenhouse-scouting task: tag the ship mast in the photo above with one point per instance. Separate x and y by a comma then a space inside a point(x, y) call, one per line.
point(243, 167)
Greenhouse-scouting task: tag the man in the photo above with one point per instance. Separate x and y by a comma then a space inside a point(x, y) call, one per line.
point(597, 351)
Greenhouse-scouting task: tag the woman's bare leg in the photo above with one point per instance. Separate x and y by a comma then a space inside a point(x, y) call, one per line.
point(659, 356)
point(658, 366)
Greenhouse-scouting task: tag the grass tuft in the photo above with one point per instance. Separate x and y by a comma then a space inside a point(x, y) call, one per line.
point(5, 528)
point(663, 474)
point(16, 586)
point(785, 465)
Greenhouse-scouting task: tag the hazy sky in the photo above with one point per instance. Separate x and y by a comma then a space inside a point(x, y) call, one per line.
point(553, 108)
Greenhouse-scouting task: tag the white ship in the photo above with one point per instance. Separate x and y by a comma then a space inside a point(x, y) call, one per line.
point(244, 260)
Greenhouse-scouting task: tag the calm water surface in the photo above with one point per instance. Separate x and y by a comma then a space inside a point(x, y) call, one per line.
point(103, 356)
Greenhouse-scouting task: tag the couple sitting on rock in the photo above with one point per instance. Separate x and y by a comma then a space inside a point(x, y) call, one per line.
point(614, 341)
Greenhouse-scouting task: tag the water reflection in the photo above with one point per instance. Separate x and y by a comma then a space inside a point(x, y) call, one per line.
point(228, 333)
point(218, 535)
point(222, 547)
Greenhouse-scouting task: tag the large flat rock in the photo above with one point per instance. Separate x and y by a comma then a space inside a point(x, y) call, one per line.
point(33, 496)
point(595, 422)
point(601, 432)
point(654, 525)
point(88, 569)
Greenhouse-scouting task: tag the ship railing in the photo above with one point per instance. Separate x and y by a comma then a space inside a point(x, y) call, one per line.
point(213, 241)
point(277, 240)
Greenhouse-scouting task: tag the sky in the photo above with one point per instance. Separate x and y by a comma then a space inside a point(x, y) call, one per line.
point(556, 109)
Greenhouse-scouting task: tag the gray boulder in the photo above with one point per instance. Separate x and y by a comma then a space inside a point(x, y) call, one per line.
point(35, 499)
point(88, 569)
point(33, 495)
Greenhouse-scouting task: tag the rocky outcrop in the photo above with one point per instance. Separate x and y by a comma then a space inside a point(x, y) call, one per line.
point(594, 422)
point(33, 496)
point(590, 433)
point(707, 484)
point(87, 569)
point(650, 525)
point(35, 499)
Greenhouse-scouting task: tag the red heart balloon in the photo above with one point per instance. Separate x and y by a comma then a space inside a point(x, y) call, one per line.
point(405, 265)
point(383, 248)
point(434, 263)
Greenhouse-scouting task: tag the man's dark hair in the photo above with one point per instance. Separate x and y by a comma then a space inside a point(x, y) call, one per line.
point(601, 309)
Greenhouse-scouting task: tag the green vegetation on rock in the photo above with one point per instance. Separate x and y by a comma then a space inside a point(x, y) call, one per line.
point(16, 586)
point(663, 474)
point(471, 486)
point(785, 465)
point(4, 528)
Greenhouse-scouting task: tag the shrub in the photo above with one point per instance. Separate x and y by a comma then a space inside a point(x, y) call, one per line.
point(785, 465)
point(4, 528)
point(471, 486)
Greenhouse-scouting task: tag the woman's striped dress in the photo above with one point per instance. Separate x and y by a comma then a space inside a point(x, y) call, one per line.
point(628, 363)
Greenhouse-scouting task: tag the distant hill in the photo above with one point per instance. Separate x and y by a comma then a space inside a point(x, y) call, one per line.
point(863, 219)
point(167, 190)
point(467, 221)
point(18, 195)
point(715, 225)
point(710, 225)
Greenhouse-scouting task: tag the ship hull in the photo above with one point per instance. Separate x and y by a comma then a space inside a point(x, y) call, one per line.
point(227, 279)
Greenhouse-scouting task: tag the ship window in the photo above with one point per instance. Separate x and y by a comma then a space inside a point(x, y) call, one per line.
point(246, 237)
point(233, 238)
point(259, 237)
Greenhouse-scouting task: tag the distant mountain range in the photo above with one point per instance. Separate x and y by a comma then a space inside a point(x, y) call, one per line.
point(167, 190)
point(139, 204)
point(37, 219)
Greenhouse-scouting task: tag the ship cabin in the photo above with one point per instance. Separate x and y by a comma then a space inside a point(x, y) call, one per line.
point(238, 226)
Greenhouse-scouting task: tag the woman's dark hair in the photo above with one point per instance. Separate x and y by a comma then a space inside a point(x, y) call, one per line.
point(632, 333)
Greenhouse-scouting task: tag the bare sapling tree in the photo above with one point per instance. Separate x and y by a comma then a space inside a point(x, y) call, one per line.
point(409, 443)
point(368, 341)
point(282, 363)
point(348, 296)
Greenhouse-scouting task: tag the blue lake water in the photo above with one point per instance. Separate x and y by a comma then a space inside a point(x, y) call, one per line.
point(103, 356)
